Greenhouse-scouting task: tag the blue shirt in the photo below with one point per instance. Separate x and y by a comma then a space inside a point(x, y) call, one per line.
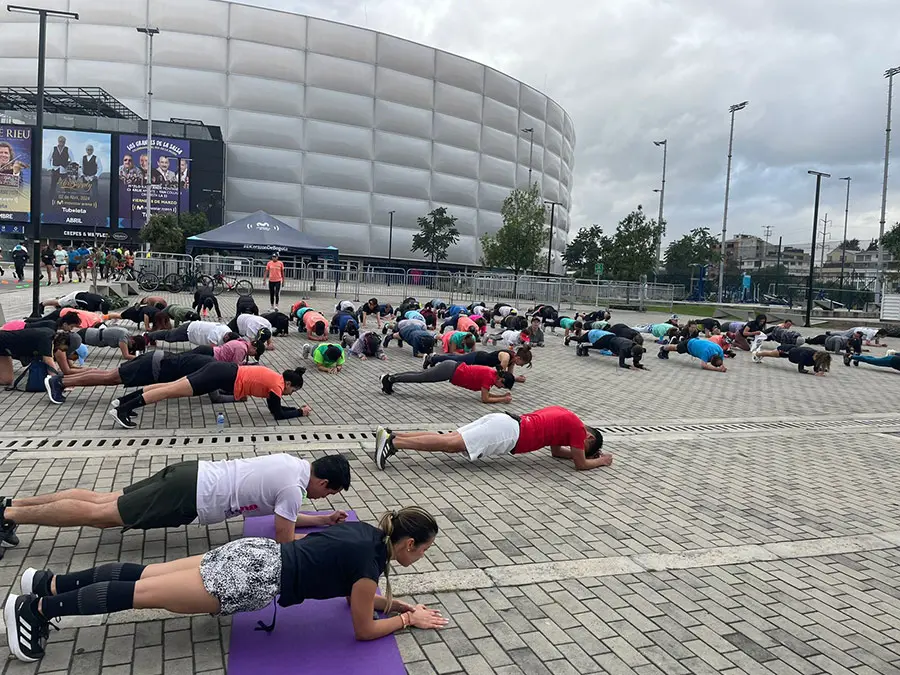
point(704, 349)
point(343, 320)
point(413, 314)
point(594, 335)
point(74, 258)
point(456, 310)
point(83, 252)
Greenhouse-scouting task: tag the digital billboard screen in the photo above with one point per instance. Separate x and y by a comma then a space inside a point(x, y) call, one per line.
point(170, 178)
point(15, 174)
point(75, 178)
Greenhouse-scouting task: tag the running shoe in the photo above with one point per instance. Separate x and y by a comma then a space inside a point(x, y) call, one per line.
point(426, 361)
point(8, 536)
point(122, 416)
point(756, 357)
point(26, 630)
point(663, 354)
point(36, 582)
point(387, 339)
point(384, 447)
point(566, 340)
point(847, 359)
point(387, 384)
point(856, 363)
point(54, 386)
point(307, 350)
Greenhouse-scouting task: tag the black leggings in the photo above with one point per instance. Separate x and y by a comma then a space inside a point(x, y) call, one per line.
point(274, 292)
point(179, 334)
point(443, 372)
point(213, 377)
point(479, 358)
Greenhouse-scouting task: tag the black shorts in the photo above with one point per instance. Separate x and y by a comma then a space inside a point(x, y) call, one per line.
point(138, 372)
point(165, 499)
point(682, 347)
point(212, 377)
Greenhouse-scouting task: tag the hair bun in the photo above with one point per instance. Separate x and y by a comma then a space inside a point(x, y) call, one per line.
point(301, 370)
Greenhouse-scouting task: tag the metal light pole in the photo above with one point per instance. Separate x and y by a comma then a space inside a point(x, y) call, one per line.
point(879, 280)
point(662, 196)
point(149, 32)
point(37, 146)
point(733, 109)
point(812, 256)
point(530, 130)
point(844, 241)
point(390, 236)
point(550, 242)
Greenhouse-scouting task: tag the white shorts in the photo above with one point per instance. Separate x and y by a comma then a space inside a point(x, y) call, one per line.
point(493, 435)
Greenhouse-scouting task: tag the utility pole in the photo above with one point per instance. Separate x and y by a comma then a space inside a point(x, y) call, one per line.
point(825, 222)
point(149, 32)
point(37, 145)
point(879, 281)
point(733, 109)
point(530, 130)
point(844, 241)
point(767, 232)
point(778, 267)
point(662, 196)
point(812, 257)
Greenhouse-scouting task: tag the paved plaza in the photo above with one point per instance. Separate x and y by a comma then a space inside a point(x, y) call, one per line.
point(749, 522)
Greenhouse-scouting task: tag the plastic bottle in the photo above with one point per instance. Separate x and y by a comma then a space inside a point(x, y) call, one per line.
point(220, 420)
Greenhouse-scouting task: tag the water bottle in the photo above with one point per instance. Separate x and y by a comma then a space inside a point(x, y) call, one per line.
point(220, 420)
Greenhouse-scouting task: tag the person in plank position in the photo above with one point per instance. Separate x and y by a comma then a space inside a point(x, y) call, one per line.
point(501, 434)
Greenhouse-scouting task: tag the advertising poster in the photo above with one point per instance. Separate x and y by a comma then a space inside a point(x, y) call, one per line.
point(15, 174)
point(170, 179)
point(75, 178)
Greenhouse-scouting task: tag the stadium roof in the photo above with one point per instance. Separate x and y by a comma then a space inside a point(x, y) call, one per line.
point(91, 101)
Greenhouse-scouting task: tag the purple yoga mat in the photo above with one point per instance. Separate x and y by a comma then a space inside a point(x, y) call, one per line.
point(313, 637)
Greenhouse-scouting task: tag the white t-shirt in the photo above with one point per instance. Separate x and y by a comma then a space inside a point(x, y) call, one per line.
point(68, 300)
point(512, 338)
point(60, 257)
point(867, 333)
point(259, 486)
point(505, 311)
point(250, 324)
point(347, 306)
point(204, 333)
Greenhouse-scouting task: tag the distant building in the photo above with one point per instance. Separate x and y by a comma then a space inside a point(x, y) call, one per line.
point(752, 254)
point(860, 267)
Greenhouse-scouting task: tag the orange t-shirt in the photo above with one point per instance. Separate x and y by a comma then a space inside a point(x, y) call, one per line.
point(275, 269)
point(87, 319)
point(311, 318)
point(257, 381)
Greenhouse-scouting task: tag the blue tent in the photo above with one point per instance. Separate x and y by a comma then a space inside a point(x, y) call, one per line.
point(262, 232)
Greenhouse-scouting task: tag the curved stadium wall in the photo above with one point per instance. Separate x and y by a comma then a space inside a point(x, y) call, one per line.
point(327, 126)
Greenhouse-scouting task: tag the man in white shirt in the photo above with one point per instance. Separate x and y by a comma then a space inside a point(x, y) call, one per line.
point(203, 333)
point(194, 492)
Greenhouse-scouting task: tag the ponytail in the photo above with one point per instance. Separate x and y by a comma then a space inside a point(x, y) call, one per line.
point(524, 354)
point(410, 522)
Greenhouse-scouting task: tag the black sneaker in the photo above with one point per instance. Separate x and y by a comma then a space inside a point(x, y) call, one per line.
point(8, 536)
point(426, 361)
point(663, 353)
point(846, 359)
point(53, 385)
point(567, 340)
point(387, 340)
point(387, 384)
point(36, 582)
point(26, 630)
point(122, 416)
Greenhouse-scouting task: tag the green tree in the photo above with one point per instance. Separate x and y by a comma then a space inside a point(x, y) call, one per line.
point(585, 250)
point(892, 241)
point(163, 233)
point(631, 251)
point(517, 245)
point(696, 247)
point(437, 233)
point(852, 244)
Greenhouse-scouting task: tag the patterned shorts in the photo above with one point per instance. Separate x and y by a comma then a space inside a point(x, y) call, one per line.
point(243, 575)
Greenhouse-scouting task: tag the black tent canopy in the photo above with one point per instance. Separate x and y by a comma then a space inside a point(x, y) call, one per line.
point(262, 232)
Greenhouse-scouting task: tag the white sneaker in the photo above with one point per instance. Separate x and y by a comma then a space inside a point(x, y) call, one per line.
point(381, 440)
point(756, 357)
point(307, 350)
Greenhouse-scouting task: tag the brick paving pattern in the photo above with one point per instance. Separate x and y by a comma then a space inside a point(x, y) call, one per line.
point(760, 551)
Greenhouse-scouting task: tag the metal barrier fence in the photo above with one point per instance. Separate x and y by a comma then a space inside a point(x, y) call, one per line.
point(349, 279)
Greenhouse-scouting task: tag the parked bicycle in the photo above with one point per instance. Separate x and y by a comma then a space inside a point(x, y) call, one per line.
point(223, 282)
point(147, 281)
point(186, 279)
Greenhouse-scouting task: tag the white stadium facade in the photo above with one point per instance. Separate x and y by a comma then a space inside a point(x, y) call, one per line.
point(327, 126)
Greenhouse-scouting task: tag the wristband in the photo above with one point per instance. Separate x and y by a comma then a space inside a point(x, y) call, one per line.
point(406, 619)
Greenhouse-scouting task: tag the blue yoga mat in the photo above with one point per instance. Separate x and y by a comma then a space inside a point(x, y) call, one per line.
point(313, 637)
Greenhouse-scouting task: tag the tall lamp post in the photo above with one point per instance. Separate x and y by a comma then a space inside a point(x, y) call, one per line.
point(662, 196)
point(530, 130)
point(390, 236)
point(149, 32)
point(844, 241)
point(733, 109)
point(553, 206)
point(812, 256)
point(879, 281)
point(37, 146)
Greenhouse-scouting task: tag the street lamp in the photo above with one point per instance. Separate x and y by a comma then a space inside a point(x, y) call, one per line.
point(879, 281)
point(844, 242)
point(662, 195)
point(812, 256)
point(37, 144)
point(390, 236)
point(530, 130)
point(149, 32)
point(733, 109)
point(553, 206)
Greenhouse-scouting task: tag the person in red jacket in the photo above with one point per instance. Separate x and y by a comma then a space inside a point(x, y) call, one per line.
point(474, 378)
point(502, 434)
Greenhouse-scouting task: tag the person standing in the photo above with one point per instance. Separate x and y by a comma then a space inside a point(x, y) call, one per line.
point(58, 160)
point(91, 168)
point(74, 263)
point(60, 260)
point(47, 261)
point(20, 257)
point(274, 274)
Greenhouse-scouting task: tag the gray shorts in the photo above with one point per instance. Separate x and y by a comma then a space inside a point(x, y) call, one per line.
point(243, 575)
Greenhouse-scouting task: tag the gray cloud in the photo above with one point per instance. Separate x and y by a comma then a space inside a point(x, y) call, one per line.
point(631, 71)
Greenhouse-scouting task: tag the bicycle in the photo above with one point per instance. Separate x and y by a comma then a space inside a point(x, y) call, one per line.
point(221, 282)
point(147, 281)
point(178, 281)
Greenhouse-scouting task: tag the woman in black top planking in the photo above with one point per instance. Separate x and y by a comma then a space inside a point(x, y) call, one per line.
point(244, 575)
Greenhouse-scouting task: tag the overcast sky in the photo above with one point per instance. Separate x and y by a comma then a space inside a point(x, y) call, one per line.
point(631, 71)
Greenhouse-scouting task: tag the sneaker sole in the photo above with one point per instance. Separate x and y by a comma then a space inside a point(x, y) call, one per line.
point(381, 439)
point(27, 583)
point(113, 413)
point(12, 629)
point(50, 390)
